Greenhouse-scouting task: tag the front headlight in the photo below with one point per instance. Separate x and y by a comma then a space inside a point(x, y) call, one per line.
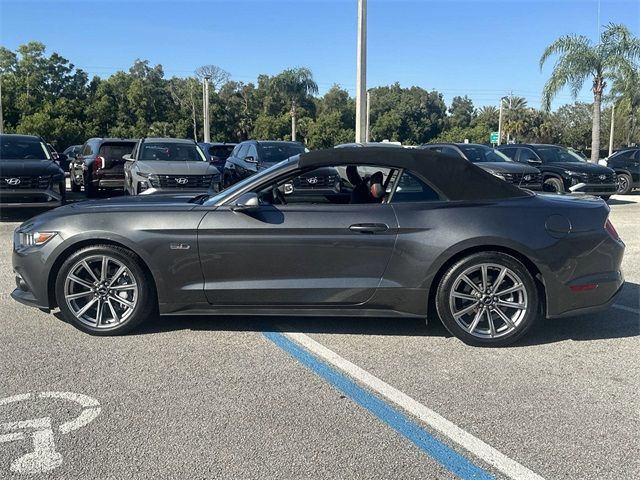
point(33, 239)
point(496, 174)
point(143, 175)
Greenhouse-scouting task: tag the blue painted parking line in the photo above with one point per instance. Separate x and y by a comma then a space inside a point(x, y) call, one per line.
point(447, 457)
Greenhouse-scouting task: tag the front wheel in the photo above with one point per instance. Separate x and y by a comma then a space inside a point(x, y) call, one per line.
point(103, 290)
point(624, 184)
point(487, 299)
point(553, 185)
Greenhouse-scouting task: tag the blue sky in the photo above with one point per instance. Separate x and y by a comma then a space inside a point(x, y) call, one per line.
point(484, 49)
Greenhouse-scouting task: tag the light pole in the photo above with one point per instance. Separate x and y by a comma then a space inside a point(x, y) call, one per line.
point(500, 121)
point(361, 73)
point(366, 137)
point(293, 121)
point(205, 107)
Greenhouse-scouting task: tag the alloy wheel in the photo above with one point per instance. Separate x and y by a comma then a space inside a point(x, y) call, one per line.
point(488, 300)
point(623, 184)
point(101, 291)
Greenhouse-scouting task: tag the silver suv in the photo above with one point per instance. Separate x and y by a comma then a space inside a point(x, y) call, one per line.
point(168, 165)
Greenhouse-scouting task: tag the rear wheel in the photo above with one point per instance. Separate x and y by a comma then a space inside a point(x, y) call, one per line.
point(553, 184)
point(104, 290)
point(487, 299)
point(624, 184)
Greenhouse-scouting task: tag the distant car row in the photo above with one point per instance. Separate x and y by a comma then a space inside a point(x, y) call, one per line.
point(31, 173)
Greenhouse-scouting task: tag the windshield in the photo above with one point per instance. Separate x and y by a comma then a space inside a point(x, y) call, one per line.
point(23, 149)
point(273, 152)
point(558, 154)
point(171, 152)
point(243, 183)
point(481, 153)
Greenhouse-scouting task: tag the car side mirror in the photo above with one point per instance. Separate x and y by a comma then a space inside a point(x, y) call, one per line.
point(127, 158)
point(534, 161)
point(250, 159)
point(247, 201)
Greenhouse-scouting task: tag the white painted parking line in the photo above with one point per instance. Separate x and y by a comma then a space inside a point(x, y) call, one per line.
point(457, 435)
point(44, 456)
point(627, 309)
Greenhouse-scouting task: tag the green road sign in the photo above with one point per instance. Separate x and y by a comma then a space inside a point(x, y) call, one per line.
point(493, 137)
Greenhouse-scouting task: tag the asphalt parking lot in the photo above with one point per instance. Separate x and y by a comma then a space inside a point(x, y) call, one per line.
point(213, 397)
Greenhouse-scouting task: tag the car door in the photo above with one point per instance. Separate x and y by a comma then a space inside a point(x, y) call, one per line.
point(236, 165)
point(296, 254)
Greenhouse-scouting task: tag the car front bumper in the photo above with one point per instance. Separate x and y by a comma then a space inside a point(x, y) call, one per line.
point(594, 188)
point(30, 198)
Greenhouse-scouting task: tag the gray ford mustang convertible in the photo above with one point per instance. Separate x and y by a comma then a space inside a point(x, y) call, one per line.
point(405, 233)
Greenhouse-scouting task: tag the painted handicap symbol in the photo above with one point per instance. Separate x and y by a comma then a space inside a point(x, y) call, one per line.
point(44, 456)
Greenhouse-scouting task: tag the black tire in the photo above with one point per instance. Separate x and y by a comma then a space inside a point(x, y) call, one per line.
point(624, 184)
point(521, 325)
point(90, 190)
point(145, 307)
point(553, 184)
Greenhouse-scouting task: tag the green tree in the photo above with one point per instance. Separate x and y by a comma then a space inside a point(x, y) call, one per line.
point(295, 86)
point(579, 59)
point(487, 115)
point(461, 112)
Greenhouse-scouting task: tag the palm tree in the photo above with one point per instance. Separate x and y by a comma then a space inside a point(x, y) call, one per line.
point(579, 59)
point(625, 92)
point(295, 85)
point(515, 115)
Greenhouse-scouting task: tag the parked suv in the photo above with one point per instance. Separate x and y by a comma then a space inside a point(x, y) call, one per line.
point(169, 165)
point(99, 165)
point(251, 156)
point(29, 177)
point(217, 153)
point(564, 171)
point(626, 164)
point(492, 161)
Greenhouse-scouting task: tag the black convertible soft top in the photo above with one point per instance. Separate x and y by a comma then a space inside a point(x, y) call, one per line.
point(456, 178)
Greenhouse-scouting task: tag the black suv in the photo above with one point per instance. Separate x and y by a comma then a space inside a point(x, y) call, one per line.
point(493, 162)
point(626, 164)
point(29, 176)
point(564, 171)
point(99, 165)
point(251, 156)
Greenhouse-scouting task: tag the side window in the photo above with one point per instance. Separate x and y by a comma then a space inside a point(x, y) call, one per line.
point(242, 152)
point(335, 185)
point(626, 155)
point(86, 149)
point(252, 152)
point(527, 154)
point(412, 189)
point(452, 152)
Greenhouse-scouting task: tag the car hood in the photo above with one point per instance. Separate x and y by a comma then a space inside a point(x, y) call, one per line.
point(582, 167)
point(176, 168)
point(507, 167)
point(23, 168)
point(140, 203)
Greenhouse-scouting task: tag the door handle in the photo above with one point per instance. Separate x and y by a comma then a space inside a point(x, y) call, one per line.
point(369, 227)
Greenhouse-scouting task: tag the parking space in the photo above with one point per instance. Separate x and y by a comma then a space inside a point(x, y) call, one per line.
point(220, 397)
